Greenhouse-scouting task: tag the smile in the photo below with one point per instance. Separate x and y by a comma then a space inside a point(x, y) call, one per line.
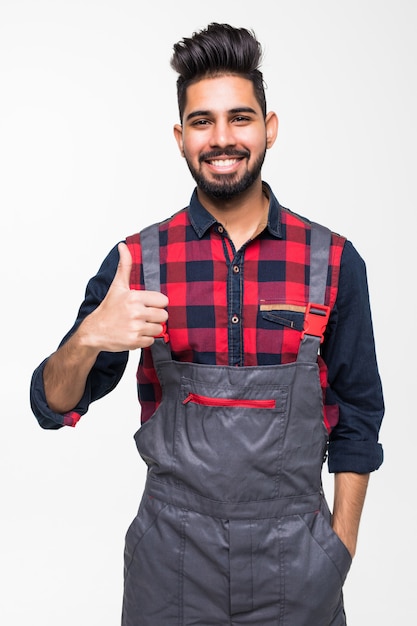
point(223, 162)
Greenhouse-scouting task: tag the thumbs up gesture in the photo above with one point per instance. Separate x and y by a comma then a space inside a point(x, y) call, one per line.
point(126, 319)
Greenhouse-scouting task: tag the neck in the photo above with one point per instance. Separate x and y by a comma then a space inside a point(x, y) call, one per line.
point(244, 216)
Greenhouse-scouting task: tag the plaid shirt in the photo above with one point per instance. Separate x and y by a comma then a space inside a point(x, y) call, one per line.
point(246, 307)
point(228, 307)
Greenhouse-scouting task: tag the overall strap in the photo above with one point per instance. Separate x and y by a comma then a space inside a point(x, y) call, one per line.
point(149, 241)
point(317, 313)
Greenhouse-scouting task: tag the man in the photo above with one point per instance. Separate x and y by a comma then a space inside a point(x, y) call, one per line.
point(257, 362)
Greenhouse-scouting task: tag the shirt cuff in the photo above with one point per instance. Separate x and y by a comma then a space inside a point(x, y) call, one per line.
point(360, 457)
point(46, 417)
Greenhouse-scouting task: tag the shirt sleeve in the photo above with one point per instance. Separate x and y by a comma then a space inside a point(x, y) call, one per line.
point(108, 368)
point(353, 376)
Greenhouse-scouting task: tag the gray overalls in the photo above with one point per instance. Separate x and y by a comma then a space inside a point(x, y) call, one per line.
point(233, 527)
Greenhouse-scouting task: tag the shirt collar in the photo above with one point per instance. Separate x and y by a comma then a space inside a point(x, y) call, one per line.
point(202, 220)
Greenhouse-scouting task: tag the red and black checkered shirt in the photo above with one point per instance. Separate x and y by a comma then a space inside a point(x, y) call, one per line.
point(228, 307)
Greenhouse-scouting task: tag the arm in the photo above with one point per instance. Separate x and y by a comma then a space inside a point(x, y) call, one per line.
point(353, 377)
point(125, 320)
point(355, 387)
point(349, 498)
point(66, 371)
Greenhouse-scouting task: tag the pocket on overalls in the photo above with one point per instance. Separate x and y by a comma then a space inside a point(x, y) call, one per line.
point(316, 565)
point(154, 548)
point(331, 544)
point(149, 510)
point(228, 439)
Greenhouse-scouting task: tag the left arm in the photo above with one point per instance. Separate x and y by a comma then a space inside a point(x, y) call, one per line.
point(355, 387)
point(353, 377)
point(349, 498)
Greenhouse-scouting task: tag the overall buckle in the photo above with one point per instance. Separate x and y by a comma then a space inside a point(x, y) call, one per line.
point(315, 320)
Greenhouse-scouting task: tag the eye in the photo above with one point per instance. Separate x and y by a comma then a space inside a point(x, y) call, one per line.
point(242, 119)
point(202, 122)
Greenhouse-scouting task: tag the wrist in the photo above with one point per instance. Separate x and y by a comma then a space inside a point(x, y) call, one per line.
point(85, 339)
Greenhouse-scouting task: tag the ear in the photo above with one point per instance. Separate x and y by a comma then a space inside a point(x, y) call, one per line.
point(271, 124)
point(178, 138)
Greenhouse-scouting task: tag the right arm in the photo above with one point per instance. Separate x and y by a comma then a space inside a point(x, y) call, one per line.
point(125, 320)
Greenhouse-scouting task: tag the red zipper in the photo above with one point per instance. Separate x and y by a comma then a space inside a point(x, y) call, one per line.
point(208, 401)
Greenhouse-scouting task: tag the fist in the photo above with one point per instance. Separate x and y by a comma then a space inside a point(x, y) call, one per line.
point(126, 319)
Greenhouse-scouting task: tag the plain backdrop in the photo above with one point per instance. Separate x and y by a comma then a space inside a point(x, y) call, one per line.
point(87, 156)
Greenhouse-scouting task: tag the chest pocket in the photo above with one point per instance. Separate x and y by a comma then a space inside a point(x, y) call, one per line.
point(287, 319)
point(287, 315)
point(279, 329)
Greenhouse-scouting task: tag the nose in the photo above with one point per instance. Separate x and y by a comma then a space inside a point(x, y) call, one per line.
point(222, 134)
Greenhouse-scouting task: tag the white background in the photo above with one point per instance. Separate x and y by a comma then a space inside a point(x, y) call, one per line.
point(87, 156)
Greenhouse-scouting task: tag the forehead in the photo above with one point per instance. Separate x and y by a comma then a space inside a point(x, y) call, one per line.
point(220, 93)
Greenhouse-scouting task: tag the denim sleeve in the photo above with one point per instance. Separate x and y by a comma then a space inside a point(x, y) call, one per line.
point(353, 376)
point(108, 368)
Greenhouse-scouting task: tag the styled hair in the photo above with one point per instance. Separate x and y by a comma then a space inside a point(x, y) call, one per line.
point(217, 50)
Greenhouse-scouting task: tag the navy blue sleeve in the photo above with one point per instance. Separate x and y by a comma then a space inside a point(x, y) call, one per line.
point(353, 376)
point(108, 368)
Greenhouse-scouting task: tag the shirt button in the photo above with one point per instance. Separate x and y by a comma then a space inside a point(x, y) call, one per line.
point(236, 269)
point(235, 319)
point(220, 229)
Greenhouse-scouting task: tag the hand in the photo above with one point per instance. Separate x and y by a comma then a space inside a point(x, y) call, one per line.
point(348, 539)
point(126, 319)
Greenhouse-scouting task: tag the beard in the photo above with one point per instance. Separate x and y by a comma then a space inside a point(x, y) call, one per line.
point(226, 186)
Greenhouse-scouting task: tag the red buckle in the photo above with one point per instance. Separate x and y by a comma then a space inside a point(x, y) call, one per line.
point(164, 334)
point(315, 320)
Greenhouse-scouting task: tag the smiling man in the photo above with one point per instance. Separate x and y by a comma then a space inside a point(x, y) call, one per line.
point(224, 137)
point(257, 363)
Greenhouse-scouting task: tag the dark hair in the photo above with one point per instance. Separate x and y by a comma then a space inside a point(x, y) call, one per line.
point(217, 50)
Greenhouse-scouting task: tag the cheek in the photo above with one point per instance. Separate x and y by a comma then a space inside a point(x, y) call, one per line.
point(257, 142)
point(252, 139)
point(192, 148)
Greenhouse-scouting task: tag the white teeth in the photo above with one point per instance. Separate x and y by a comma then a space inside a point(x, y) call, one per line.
point(223, 162)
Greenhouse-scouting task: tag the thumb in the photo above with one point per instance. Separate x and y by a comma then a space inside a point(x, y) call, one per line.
point(124, 268)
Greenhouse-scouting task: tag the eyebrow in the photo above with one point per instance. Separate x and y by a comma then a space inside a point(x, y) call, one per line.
point(205, 113)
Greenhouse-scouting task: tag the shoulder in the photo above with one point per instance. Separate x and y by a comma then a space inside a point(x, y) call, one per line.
point(353, 281)
point(180, 218)
point(352, 265)
point(291, 219)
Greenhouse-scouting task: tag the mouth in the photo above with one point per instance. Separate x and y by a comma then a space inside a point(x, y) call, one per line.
point(223, 163)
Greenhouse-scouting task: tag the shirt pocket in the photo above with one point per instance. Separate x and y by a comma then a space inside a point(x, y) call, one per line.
point(284, 315)
point(279, 331)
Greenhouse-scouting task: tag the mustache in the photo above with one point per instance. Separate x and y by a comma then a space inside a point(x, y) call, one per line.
point(228, 152)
